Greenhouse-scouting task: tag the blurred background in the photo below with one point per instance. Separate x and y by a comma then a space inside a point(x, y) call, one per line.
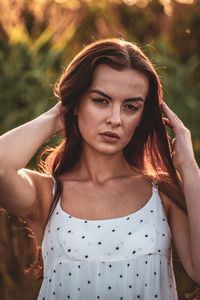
point(38, 38)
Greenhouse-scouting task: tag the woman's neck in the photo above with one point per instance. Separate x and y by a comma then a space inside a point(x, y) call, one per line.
point(99, 168)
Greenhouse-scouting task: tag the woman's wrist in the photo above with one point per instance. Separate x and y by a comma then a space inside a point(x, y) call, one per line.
point(55, 119)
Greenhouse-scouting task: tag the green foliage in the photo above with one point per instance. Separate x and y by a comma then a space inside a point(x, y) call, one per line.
point(141, 24)
point(185, 34)
point(26, 78)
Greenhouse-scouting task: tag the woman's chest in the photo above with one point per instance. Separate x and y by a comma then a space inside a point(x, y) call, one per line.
point(110, 236)
point(106, 202)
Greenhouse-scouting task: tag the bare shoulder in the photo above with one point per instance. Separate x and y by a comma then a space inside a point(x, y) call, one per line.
point(44, 186)
point(27, 194)
point(167, 203)
point(145, 187)
point(39, 178)
point(170, 207)
point(37, 217)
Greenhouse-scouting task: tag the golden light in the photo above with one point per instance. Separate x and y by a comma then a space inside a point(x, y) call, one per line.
point(186, 1)
point(71, 4)
point(142, 3)
point(130, 2)
point(60, 1)
point(168, 7)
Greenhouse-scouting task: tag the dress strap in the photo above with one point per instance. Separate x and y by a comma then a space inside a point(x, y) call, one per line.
point(54, 186)
point(155, 183)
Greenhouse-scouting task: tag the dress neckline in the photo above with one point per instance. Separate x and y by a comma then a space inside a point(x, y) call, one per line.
point(65, 213)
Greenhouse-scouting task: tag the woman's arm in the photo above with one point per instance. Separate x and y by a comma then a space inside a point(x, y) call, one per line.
point(190, 175)
point(18, 146)
point(18, 186)
point(186, 231)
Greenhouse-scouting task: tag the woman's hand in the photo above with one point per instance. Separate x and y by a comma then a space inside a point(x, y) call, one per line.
point(57, 112)
point(182, 155)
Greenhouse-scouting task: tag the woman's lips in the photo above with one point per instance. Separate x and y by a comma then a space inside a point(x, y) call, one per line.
point(110, 139)
point(110, 134)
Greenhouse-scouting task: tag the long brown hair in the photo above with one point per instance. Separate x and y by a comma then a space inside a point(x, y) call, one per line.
point(149, 150)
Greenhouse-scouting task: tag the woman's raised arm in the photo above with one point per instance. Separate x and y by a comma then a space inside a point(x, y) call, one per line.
point(19, 187)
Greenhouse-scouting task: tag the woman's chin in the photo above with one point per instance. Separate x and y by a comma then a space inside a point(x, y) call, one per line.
point(108, 150)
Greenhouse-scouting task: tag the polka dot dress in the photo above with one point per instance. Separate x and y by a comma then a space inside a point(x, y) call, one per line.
point(125, 258)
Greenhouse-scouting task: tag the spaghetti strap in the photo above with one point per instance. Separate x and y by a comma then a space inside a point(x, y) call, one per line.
point(155, 183)
point(54, 186)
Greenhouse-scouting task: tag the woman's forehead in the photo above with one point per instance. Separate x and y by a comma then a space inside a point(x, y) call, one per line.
point(126, 82)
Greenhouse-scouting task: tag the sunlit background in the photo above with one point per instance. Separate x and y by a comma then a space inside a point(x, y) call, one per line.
point(37, 40)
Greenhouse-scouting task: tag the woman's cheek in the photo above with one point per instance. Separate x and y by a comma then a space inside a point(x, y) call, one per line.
point(87, 124)
point(131, 127)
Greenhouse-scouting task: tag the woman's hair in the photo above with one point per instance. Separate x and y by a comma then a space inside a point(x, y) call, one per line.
point(148, 151)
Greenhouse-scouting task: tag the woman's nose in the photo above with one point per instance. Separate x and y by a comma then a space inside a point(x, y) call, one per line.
point(114, 117)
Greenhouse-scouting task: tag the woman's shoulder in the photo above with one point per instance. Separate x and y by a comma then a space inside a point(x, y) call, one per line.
point(40, 179)
point(165, 200)
point(44, 186)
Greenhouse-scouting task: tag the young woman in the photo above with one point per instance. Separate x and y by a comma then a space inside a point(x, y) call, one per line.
point(121, 194)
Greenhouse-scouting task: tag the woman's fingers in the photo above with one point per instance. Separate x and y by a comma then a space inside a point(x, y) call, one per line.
point(167, 122)
point(182, 150)
point(174, 122)
point(173, 118)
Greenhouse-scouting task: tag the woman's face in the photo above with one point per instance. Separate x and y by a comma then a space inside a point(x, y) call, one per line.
point(114, 102)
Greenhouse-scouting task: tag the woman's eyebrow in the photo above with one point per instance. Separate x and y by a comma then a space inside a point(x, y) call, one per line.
point(106, 96)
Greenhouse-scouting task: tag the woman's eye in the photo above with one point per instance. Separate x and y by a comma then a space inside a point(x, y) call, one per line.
point(100, 100)
point(131, 107)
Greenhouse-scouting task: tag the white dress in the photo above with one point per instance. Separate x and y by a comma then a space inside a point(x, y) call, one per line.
point(125, 258)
